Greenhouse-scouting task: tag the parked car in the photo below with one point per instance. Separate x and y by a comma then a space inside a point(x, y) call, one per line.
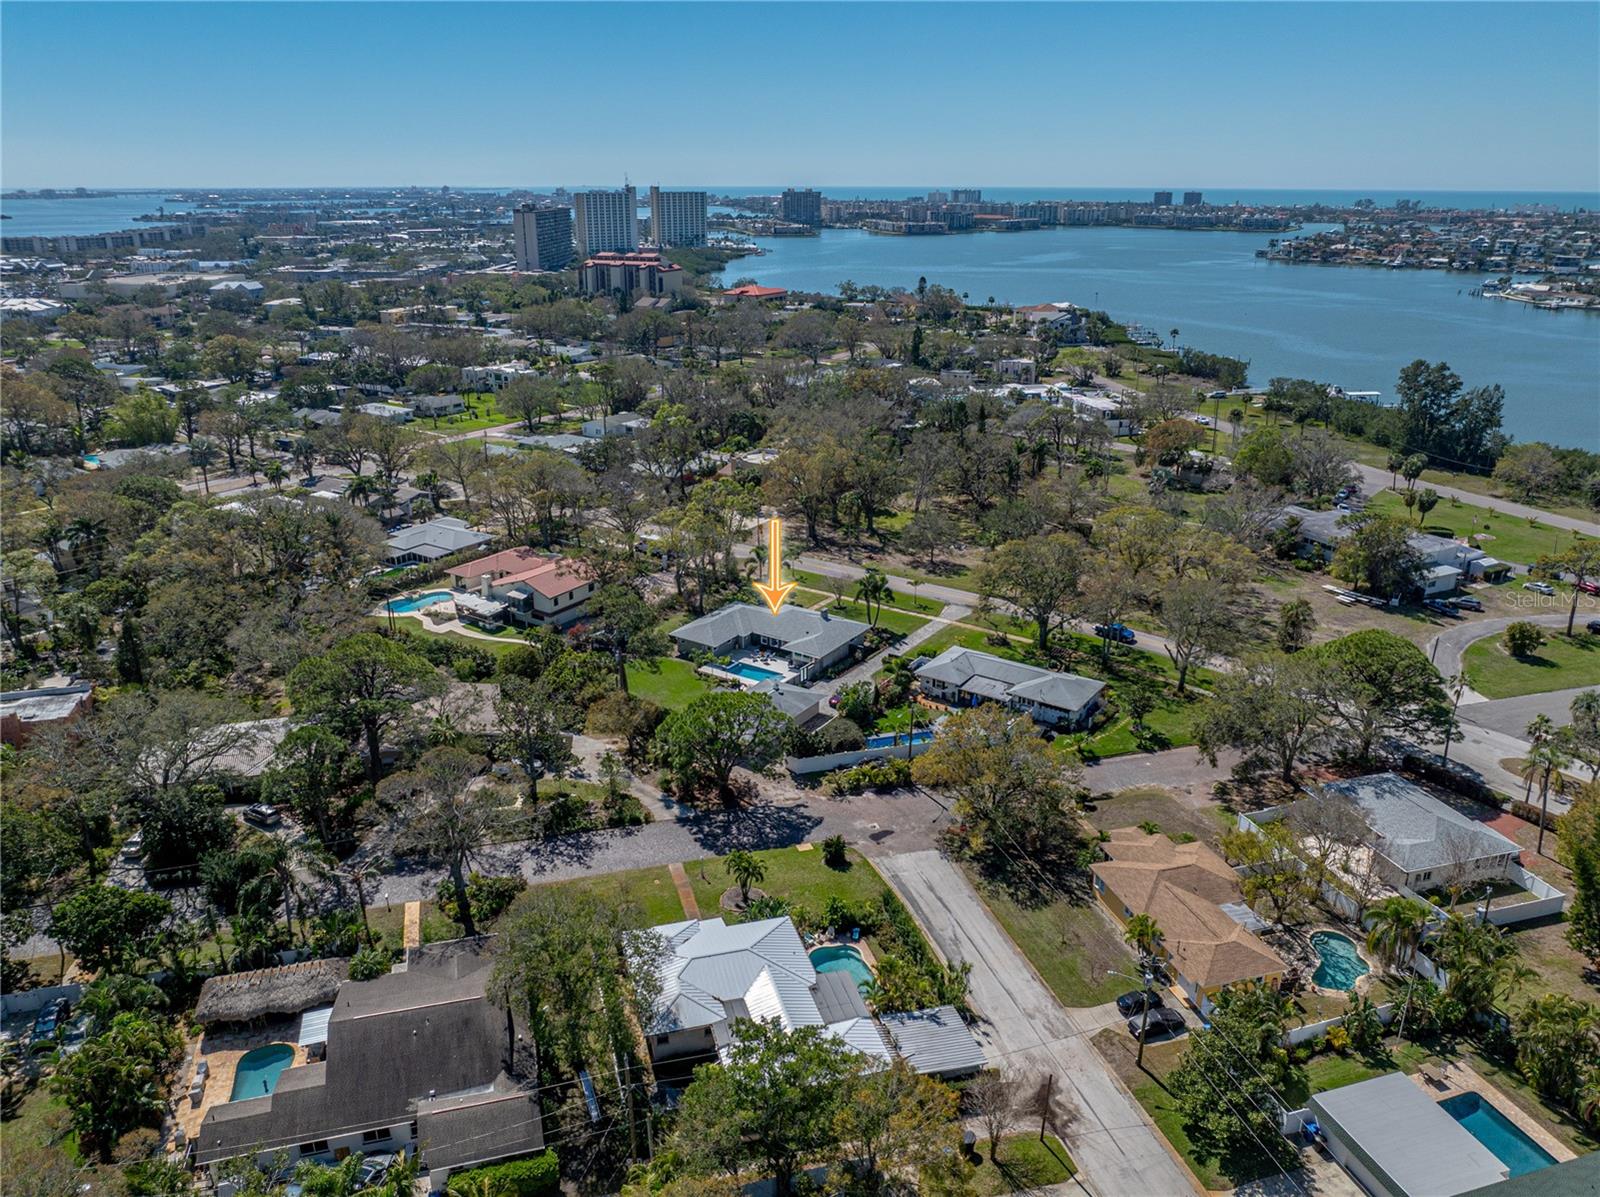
point(1592, 627)
point(133, 847)
point(76, 1035)
point(1467, 603)
point(50, 1016)
point(1439, 606)
point(1160, 1022)
point(1539, 587)
point(373, 1169)
point(1203, 421)
point(1134, 1001)
point(262, 815)
point(1588, 587)
point(1119, 632)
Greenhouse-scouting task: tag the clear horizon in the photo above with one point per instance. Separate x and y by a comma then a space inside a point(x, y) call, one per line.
point(335, 95)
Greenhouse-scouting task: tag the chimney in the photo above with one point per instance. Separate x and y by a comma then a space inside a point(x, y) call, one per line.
point(483, 584)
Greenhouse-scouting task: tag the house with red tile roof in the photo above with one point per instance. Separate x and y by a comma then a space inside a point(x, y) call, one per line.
point(522, 586)
point(752, 291)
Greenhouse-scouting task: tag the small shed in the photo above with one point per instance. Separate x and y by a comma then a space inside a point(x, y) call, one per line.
point(270, 992)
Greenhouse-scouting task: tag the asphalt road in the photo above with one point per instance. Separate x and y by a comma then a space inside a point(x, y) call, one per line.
point(1511, 716)
point(1445, 649)
point(1024, 1028)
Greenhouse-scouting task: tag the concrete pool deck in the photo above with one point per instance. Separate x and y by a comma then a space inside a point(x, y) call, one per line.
point(222, 1053)
point(1458, 1077)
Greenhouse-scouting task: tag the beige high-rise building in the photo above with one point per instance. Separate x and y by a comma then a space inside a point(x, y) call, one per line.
point(606, 221)
point(677, 217)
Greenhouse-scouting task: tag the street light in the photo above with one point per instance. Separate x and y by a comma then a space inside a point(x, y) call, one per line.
point(1144, 997)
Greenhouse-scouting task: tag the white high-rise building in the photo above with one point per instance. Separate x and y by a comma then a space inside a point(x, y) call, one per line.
point(677, 217)
point(606, 221)
point(543, 236)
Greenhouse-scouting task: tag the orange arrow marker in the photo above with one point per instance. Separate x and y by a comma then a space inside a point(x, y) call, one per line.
point(776, 589)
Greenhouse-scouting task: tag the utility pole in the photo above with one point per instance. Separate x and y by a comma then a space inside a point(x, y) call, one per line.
point(1450, 731)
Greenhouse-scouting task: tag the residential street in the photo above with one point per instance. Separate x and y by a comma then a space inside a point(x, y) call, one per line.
point(1023, 1026)
point(1445, 649)
point(1374, 480)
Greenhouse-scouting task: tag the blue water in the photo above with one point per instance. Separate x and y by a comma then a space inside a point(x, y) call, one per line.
point(257, 1072)
point(842, 959)
point(750, 672)
point(890, 740)
point(416, 602)
point(1510, 1144)
point(1341, 965)
point(1347, 325)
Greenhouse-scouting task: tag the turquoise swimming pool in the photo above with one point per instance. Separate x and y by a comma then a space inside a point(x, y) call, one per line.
point(416, 602)
point(1340, 965)
point(841, 958)
point(1509, 1142)
point(750, 672)
point(258, 1070)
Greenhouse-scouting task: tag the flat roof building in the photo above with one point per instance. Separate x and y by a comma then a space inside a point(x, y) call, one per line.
point(543, 237)
point(677, 217)
point(606, 221)
point(801, 206)
point(636, 275)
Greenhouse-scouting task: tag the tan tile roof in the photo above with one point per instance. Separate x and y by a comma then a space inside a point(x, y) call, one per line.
point(1139, 862)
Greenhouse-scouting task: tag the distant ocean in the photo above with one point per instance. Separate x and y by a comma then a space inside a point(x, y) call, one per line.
point(35, 217)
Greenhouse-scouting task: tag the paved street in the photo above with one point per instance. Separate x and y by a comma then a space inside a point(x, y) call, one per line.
point(1445, 649)
point(1374, 479)
point(1511, 716)
point(1023, 1026)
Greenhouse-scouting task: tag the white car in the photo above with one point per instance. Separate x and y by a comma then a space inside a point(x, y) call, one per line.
point(1539, 587)
point(1203, 421)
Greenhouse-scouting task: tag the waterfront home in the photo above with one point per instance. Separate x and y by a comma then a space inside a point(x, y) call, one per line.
point(442, 537)
point(966, 677)
point(809, 642)
point(417, 1060)
point(1195, 899)
point(1396, 1140)
point(525, 587)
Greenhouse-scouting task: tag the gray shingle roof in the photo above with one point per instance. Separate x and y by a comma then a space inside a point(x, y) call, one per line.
point(1000, 679)
point(437, 538)
point(801, 632)
point(1414, 829)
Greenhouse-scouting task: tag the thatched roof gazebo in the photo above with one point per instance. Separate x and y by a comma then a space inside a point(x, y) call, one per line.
point(266, 992)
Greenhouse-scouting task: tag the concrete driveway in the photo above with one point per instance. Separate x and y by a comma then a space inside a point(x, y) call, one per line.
point(1024, 1027)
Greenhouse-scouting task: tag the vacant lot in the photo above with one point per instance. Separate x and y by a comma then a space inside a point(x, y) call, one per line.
point(800, 878)
point(1158, 805)
point(1561, 663)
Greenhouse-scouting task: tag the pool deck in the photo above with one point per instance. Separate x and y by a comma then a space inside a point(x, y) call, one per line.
point(222, 1053)
point(1461, 1078)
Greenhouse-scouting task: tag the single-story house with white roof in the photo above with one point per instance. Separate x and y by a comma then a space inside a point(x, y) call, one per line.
point(966, 677)
point(622, 423)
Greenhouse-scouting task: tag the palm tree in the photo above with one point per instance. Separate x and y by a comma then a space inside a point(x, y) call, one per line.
point(1174, 338)
point(362, 488)
point(871, 590)
point(1142, 935)
point(746, 870)
point(203, 455)
point(1545, 760)
point(274, 473)
point(1397, 927)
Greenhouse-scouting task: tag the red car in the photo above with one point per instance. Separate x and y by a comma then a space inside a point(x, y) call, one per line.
point(1589, 587)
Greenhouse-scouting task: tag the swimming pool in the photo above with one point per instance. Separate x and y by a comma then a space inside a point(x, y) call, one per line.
point(416, 602)
point(1340, 965)
point(894, 740)
point(749, 672)
point(257, 1072)
point(1509, 1142)
point(841, 958)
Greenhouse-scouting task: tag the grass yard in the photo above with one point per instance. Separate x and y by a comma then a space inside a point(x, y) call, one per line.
point(901, 602)
point(895, 621)
point(1022, 1163)
point(1070, 945)
point(1510, 538)
point(672, 683)
point(1158, 805)
point(649, 891)
point(483, 411)
point(1561, 663)
point(413, 625)
point(1170, 725)
point(800, 878)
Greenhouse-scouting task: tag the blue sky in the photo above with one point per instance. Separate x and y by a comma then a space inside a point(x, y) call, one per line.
point(1442, 96)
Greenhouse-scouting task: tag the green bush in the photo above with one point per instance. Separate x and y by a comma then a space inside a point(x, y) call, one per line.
point(833, 852)
point(869, 775)
point(369, 964)
point(536, 1176)
point(841, 735)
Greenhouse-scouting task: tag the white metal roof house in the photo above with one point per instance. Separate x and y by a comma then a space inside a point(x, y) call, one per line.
point(812, 640)
point(965, 677)
point(1397, 1141)
point(715, 973)
point(622, 423)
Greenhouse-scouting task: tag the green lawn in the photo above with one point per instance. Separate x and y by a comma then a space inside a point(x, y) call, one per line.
point(1070, 945)
point(1170, 725)
point(1510, 538)
point(1022, 1163)
point(649, 891)
point(903, 602)
point(671, 683)
point(416, 627)
point(895, 621)
point(1560, 663)
point(801, 878)
point(483, 411)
